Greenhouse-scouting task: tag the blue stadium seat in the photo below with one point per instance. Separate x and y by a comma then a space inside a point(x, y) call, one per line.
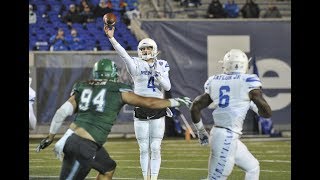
point(41, 8)
point(45, 27)
point(55, 7)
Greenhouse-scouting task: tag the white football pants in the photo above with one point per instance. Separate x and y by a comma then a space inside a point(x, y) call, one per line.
point(226, 150)
point(149, 134)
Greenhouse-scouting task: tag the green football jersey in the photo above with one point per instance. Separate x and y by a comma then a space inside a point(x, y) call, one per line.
point(99, 103)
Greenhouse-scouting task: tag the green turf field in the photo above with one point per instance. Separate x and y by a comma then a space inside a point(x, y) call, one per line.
point(180, 160)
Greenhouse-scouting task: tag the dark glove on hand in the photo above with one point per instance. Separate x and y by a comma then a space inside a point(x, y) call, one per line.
point(203, 137)
point(43, 144)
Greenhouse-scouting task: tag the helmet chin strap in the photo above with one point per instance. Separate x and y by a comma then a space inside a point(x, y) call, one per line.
point(149, 56)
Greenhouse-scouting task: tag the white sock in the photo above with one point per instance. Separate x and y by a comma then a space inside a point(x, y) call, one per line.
point(155, 177)
point(155, 167)
point(144, 163)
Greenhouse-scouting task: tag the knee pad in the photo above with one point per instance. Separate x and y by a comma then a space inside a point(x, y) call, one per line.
point(109, 166)
point(155, 149)
point(112, 165)
point(144, 148)
point(253, 174)
point(255, 166)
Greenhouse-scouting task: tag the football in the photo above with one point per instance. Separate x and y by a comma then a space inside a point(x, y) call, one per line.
point(110, 19)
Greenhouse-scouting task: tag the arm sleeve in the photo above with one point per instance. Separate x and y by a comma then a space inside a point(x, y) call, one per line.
point(130, 63)
point(165, 81)
point(253, 82)
point(207, 87)
point(61, 114)
point(164, 77)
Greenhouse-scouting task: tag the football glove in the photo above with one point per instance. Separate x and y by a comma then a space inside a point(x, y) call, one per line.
point(43, 144)
point(203, 137)
point(176, 102)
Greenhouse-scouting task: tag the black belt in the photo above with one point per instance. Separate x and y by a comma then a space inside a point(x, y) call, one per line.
point(146, 113)
point(223, 127)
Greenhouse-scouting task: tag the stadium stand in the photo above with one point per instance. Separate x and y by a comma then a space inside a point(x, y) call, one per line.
point(49, 19)
point(174, 9)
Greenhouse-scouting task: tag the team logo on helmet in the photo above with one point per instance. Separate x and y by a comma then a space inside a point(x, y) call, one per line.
point(235, 61)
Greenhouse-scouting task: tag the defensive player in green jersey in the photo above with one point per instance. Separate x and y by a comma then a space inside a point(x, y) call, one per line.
point(97, 103)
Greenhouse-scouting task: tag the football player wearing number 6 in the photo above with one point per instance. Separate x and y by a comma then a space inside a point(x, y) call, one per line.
point(150, 76)
point(97, 103)
point(231, 93)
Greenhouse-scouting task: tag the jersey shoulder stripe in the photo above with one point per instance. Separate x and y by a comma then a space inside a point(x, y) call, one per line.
point(251, 79)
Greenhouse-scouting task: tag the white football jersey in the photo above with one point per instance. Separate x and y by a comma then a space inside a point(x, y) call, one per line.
point(145, 84)
point(230, 94)
point(32, 95)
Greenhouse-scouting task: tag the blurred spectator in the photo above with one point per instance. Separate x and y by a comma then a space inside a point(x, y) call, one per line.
point(250, 10)
point(75, 42)
point(196, 3)
point(190, 3)
point(272, 12)
point(32, 15)
point(129, 15)
point(123, 7)
point(83, 4)
point(87, 15)
point(58, 42)
point(109, 4)
point(215, 10)
point(101, 9)
point(62, 10)
point(184, 3)
point(232, 9)
point(73, 16)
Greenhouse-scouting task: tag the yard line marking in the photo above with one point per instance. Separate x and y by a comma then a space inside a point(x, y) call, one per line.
point(188, 169)
point(55, 177)
point(275, 161)
point(169, 160)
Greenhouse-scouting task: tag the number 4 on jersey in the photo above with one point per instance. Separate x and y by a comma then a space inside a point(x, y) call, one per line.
point(151, 83)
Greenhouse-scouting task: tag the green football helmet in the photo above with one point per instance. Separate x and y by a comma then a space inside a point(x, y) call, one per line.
point(105, 69)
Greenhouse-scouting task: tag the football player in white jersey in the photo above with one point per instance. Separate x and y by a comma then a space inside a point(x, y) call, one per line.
point(32, 117)
point(232, 93)
point(151, 77)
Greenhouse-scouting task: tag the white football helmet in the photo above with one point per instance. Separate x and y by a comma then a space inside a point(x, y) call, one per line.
point(235, 61)
point(146, 42)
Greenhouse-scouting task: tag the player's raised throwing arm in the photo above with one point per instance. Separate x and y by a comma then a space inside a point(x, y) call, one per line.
point(132, 67)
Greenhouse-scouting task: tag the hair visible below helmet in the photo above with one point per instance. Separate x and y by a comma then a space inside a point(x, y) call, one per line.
point(105, 69)
point(147, 42)
point(235, 61)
